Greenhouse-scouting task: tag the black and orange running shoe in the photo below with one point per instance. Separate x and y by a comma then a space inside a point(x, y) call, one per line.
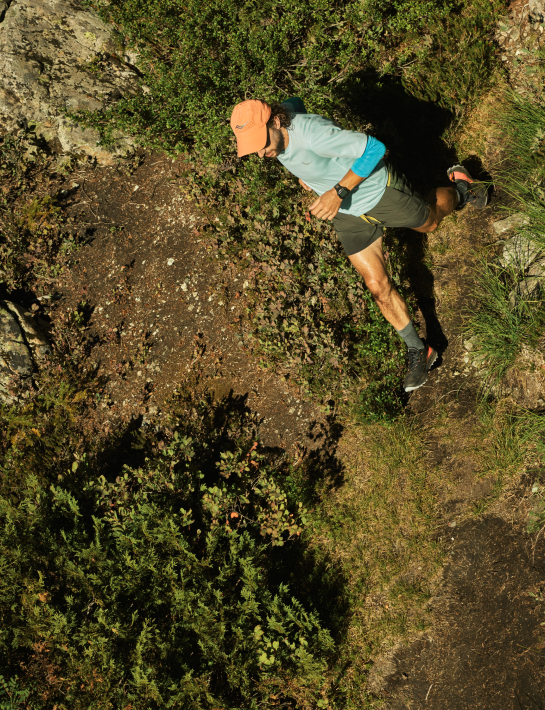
point(471, 192)
point(419, 362)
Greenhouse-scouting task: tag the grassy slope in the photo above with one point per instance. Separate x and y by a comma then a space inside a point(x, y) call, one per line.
point(383, 523)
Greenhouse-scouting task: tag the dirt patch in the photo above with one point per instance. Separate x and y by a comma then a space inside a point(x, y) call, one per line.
point(159, 312)
point(488, 648)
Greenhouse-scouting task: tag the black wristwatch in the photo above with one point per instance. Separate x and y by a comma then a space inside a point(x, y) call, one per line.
point(341, 191)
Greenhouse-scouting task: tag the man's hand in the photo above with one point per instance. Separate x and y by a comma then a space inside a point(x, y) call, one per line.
point(327, 205)
point(305, 186)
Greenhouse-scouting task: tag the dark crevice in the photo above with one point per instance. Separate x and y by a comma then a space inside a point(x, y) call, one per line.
point(4, 7)
point(17, 319)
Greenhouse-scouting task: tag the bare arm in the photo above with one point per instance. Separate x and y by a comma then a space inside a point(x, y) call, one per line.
point(327, 205)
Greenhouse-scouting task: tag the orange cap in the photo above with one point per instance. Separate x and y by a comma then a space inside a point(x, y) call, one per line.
point(249, 124)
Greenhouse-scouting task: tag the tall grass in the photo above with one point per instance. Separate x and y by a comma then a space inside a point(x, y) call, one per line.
point(522, 123)
point(380, 527)
point(501, 321)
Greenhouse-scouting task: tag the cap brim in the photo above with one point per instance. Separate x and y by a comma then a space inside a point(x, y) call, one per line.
point(252, 141)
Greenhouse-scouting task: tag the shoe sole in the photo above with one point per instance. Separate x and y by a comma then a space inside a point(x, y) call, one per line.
point(461, 169)
point(429, 365)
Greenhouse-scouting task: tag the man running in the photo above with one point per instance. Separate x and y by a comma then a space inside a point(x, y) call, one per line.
point(360, 193)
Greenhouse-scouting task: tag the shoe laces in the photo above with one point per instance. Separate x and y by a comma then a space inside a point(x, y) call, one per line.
point(413, 358)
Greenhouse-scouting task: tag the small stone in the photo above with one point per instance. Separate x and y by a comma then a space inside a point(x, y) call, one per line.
point(452, 525)
point(525, 290)
point(537, 269)
point(170, 262)
point(519, 252)
point(514, 220)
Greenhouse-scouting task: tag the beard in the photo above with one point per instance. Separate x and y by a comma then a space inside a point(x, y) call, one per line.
point(277, 142)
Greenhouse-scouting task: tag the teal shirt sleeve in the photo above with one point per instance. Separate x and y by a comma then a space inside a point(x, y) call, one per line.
point(372, 155)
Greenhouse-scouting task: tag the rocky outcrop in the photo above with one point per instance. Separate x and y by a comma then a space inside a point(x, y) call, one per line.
point(521, 37)
point(23, 347)
point(536, 10)
point(525, 381)
point(56, 56)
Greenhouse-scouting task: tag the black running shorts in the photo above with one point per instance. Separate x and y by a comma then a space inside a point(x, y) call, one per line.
point(399, 206)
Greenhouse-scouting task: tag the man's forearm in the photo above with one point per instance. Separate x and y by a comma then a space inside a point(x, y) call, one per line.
point(351, 180)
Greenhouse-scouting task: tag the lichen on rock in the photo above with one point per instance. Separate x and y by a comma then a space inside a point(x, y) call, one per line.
point(23, 346)
point(57, 56)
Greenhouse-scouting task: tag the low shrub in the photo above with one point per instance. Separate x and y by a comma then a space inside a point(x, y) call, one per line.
point(150, 585)
point(33, 235)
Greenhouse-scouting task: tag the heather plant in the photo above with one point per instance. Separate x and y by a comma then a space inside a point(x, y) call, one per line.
point(308, 310)
point(198, 60)
point(152, 585)
point(33, 234)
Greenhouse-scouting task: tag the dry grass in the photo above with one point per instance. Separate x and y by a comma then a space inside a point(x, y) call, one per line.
point(404, 484)
point(479, 135)
point(380, 525)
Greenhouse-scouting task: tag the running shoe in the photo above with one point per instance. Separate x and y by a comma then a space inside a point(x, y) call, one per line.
point(471, 192)
point(419, 362)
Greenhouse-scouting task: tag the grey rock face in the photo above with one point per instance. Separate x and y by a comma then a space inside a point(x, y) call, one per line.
point(514, 220)
point(22, 347)
point(56, 56)
point(536, 9)
point(519, 252)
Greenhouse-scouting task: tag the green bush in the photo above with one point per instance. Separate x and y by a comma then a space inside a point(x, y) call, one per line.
point(152, 588)
point(11, 695)
point(199, 59)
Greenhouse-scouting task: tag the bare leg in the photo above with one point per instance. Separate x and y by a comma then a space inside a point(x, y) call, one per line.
point(370, 263)
point(446, 201)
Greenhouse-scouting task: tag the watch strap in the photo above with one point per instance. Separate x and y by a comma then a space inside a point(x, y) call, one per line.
point(341, 191)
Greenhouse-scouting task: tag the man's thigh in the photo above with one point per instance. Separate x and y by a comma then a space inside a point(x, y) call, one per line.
point(370, 263)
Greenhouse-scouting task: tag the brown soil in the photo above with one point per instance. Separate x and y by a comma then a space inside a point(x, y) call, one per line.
point(488, 647)
point(159, 311)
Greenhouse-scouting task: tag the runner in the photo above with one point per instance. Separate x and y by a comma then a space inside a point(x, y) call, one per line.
point(360, 193)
